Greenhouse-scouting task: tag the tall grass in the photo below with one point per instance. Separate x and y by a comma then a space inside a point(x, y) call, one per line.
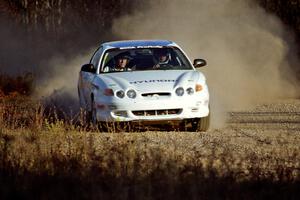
point(72, 164)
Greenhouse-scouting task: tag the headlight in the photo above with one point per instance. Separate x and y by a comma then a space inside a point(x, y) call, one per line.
point(190, 91)
point(179, 91)
point(131, 94)
point(120, 94)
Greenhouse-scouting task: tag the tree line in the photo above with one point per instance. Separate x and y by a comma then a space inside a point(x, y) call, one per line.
point(53, 15)
point(44, 28)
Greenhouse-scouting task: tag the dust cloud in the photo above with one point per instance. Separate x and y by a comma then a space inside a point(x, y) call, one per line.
point(59, 89)
point(55, 72)
point(249, 51)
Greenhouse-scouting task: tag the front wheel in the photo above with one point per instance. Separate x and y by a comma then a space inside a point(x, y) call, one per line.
point(201, 124)
point(101, 126)
point(93, 113)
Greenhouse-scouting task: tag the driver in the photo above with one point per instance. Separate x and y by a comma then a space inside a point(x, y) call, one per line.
point(122, 61)
point(163, 58)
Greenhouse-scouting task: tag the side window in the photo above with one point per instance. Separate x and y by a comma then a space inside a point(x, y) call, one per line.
point(96, 57)
point(107, 61)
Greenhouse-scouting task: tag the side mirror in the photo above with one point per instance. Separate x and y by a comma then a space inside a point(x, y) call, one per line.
point(88, 68)
point(199, 63)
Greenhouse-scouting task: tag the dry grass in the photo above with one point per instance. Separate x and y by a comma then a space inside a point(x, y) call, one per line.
point(218, 164)
point(44, 157)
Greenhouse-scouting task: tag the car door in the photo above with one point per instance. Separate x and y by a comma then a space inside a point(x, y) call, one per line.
point(87, 77)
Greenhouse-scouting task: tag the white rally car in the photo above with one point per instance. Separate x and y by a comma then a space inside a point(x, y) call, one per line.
point(144, 81)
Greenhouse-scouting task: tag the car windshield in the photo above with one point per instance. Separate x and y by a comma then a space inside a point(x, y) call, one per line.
point(141, 59)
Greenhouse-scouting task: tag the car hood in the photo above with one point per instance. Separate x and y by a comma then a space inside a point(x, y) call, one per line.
point(149, 81)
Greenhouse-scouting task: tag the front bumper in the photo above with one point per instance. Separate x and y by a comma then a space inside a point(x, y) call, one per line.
point(163, 109)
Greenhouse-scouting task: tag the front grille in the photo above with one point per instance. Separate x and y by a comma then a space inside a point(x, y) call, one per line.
point(156, 112)
point(156, 94)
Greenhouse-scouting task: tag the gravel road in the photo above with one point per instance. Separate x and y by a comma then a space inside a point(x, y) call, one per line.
point(283, 115)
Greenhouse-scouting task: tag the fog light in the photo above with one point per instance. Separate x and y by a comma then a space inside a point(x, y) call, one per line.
point(120, 113)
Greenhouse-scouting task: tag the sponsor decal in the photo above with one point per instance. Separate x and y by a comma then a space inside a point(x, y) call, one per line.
point(153, 81)
point(140, 47)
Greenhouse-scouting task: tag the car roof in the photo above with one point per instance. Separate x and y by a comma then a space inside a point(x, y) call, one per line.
point(138, 43)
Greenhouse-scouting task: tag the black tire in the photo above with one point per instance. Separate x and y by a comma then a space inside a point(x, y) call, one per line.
point(100, 126)
point(93, 113)
point(201, 124)
point(183, 126)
